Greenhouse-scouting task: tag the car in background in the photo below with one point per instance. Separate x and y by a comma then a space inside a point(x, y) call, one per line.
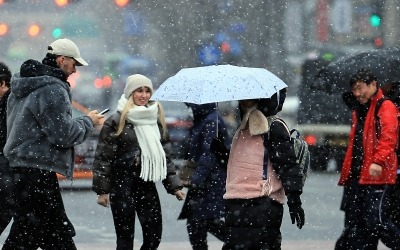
point(84, 157)
point(323, 120)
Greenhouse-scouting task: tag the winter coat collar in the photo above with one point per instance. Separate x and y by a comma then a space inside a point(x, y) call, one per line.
point(32, 68)
point(35, 75)
point(257, 122)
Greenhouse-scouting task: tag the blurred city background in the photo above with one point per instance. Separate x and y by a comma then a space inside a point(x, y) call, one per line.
point(158, 38)
point(291, 38)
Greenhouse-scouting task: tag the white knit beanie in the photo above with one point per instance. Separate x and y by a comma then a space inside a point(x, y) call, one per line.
point(136, 81)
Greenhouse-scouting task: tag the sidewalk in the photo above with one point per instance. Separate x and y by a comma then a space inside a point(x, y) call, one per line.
point(215, 245)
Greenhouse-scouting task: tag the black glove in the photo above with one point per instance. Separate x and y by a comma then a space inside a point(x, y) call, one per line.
point(295, 210)
point(219, 149)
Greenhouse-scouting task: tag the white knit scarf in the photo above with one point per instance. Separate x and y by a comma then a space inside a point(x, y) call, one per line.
point(144, 119)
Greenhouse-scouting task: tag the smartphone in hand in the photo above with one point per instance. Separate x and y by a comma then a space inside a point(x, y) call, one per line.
point(104, 111)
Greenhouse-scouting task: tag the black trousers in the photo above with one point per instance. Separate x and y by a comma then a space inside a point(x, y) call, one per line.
point(198, 229)
point(40, 219)
point(368, 218)
point(131, 195)
point(6, 194)
point(253, 224)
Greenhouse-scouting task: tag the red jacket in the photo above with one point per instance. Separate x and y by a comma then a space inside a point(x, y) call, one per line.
point(381, 151)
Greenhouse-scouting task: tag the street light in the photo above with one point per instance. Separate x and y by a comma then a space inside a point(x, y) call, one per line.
point(121, 3)
point(3, 29)
point(61, 3)
point(33, 30)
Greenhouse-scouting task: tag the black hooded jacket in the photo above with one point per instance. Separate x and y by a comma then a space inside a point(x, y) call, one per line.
point(3, 120)
point(279, 145)
point(41, 132)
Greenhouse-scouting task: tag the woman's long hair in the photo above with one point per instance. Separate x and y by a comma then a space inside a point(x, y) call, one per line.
point(130, 104)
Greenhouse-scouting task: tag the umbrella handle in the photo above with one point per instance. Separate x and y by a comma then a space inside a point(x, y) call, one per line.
point(216, 108)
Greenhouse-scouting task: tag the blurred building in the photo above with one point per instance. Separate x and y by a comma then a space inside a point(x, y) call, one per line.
point(174, 34)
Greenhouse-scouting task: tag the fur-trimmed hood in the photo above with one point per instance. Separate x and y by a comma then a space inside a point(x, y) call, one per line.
point(257, 122)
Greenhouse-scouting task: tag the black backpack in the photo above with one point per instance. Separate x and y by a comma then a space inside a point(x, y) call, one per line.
point(300, 146)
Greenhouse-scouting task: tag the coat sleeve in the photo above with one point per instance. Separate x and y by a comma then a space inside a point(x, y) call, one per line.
point(171, 183)
point(388, 136)
point(283, 158)
point(207, 161)
point(104, 158)
point(55, 118)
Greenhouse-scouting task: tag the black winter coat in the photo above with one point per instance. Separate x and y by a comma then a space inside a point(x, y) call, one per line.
point(119, 152)
point(3, 120)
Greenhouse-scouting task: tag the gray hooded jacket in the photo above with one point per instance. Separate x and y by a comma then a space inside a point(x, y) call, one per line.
point(41, 132)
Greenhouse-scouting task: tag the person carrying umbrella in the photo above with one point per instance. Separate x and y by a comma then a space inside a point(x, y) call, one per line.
point(204, 206)
point(261, 170)
point(369, 169)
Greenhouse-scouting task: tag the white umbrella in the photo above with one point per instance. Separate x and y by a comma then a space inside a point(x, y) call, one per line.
point(218, 83)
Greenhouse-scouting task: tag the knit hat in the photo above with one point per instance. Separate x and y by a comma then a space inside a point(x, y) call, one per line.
point(136, 81)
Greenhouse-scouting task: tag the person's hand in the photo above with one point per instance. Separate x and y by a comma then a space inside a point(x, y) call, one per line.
point(218, 148)
point(96, 118)
point(295, 210)
point(375, 170)
point(180, 195)
point(104, 200)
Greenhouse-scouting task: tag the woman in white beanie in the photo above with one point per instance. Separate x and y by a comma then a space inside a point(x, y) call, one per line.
point(132, 154)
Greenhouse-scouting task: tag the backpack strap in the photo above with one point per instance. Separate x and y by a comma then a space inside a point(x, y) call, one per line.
point(270, 120)
point(376, 117)
point(265, 161)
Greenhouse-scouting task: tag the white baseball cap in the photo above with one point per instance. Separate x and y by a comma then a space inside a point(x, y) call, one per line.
point(66, 47)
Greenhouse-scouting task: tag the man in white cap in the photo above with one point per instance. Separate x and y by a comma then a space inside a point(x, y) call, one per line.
point(66, 55)
point(41, 135)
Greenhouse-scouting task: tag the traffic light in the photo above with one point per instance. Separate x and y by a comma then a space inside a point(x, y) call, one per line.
point(3, 29)
point(121, 3)
point(375, 20)
point(378, 42)
point(33, 30)
point(57, 33)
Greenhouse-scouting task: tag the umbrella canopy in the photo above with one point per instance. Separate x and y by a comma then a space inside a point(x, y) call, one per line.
point(336, 76)
point(218, 83)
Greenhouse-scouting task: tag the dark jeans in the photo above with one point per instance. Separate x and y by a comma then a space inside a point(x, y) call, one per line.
point(253, 224)
point(40, 219)
point(198, 229)
point(368, 218)
point(395, 203)
point(6, 194)
point(132, 195)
